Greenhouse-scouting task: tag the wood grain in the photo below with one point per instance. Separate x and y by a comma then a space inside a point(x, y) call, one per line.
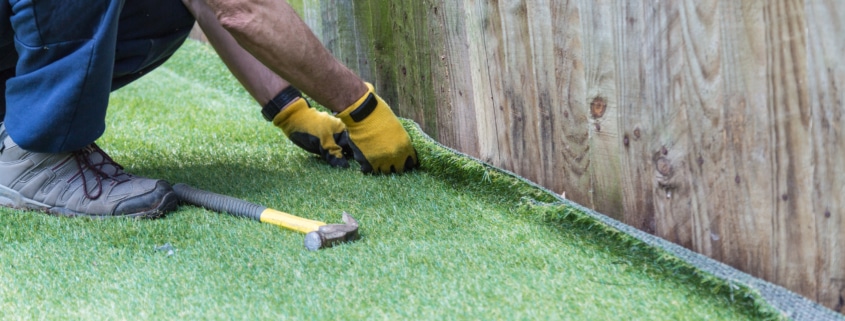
point(794, 242)
point(380, 35)
point(490, 71)
point(519, 93)
point(601, 105)
point(546, 20)
point(748, 207)
point(452, 77)
point(826, 78)
point(635, 107)
point(569, 131)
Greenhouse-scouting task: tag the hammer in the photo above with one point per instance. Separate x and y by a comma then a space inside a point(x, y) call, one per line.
point(317, 234)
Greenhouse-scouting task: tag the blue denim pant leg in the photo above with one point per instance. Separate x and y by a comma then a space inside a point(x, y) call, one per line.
point(71, 54)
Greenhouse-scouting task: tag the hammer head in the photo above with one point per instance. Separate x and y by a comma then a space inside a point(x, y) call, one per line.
point(331, 234)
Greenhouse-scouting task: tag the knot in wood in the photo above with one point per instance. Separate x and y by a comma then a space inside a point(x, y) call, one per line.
point(664, 167)
point(598, 107)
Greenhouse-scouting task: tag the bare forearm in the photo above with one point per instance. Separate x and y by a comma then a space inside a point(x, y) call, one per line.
point(274, 34)
point(261, 82)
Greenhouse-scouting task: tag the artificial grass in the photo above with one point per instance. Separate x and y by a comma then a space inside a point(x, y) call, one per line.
point(453, 240)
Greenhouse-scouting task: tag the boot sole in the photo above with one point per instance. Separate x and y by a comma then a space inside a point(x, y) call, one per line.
point(13, 199)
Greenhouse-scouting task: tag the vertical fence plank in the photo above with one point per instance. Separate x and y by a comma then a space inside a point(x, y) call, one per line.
point(410, 68)
point(479, 90)
point(329, 28)
point(748, 219)
point(570, 130)
point(426, 45)
point(488, 60)
point(452, 78)
point(383, 47)
point(545, 68)
point(667, 140)
point(346, 35)
point(702, 115)
point(518, 89)
point(635, 105)
point(794, 225)
point(601, 106)
point(361, 40)
point(826, 45)
point(402, 31)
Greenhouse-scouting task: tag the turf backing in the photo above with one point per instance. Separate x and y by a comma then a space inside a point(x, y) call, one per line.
point(436, 243)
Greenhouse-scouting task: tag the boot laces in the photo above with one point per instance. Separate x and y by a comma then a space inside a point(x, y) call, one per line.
point(100, 165)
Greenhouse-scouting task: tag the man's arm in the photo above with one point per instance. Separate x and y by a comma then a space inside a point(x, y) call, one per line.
point(262, 83)
point(272, 32)
point(314, 131)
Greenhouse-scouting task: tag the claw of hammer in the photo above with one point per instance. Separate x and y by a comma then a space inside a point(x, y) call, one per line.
point(331, 234)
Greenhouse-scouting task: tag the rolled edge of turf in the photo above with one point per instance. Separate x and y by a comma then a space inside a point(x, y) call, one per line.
point(766, 300)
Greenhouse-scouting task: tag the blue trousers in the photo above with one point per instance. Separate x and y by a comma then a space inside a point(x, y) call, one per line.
point(60, 60)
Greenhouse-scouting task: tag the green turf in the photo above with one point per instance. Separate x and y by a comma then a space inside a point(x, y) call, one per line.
point(450, 241)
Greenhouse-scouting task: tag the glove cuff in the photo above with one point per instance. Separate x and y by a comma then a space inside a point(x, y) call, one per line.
point(275, 105)
point(361, 108)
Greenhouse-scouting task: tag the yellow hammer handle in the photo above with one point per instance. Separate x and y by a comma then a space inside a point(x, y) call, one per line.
point(239, 207)
point(289, 221)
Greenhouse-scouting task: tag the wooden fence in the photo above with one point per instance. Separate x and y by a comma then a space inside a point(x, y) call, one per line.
point(715, 124)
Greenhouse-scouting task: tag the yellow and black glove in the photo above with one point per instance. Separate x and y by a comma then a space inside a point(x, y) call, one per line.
point(312, 130)
point(378, 141)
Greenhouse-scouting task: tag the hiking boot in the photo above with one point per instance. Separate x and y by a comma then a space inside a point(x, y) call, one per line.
point(86, 183)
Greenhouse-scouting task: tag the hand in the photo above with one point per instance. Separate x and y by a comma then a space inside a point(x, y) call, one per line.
point(314, 131)
point(377, 139)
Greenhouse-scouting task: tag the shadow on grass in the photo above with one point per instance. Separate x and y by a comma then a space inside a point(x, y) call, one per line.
point(238, 179)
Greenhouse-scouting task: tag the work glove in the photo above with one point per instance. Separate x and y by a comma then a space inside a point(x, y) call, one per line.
point(377, 139)
point(312, 130)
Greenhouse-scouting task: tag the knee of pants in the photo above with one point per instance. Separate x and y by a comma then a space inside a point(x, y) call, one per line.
point(136, 58)
point(149, 33)
point(54, 114)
